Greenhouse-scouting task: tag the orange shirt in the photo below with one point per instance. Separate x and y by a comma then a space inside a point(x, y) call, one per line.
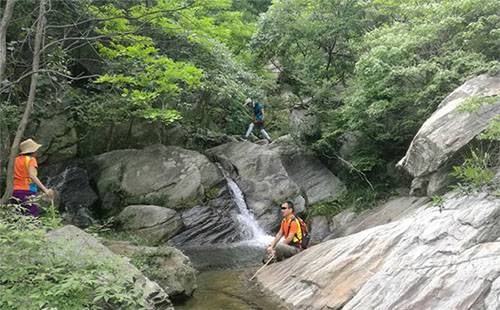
point(22, 180)
point(294, 227)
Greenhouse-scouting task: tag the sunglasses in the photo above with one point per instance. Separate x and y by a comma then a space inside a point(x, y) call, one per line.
point(284, 208)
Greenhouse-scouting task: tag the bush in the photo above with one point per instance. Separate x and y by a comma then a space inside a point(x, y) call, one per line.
point(34, 274)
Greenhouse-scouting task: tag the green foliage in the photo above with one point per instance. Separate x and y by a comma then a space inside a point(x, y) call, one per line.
point(474, 174)
point(403, 70)
point(328, 209)
point(437, 201)
point(211, 193)
point(473, 104)
point(492, 133)
point(34, 274)
point(357, 198)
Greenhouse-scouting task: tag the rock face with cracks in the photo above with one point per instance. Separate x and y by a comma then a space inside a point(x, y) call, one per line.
point(447, 131)
point(432, 260)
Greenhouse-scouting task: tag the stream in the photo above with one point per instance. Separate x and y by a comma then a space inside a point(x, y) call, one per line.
point(225, 270)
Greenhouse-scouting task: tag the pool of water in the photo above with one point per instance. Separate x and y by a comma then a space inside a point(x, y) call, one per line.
point(223, 281)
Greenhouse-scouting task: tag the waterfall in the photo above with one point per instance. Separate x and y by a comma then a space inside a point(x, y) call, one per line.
point(252, 231)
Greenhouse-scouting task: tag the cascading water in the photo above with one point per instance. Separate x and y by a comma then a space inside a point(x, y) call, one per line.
point(251, 229)
point(223, 282)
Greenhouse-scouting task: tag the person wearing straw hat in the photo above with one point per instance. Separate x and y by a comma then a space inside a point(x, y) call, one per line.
point(258, 112)
point(26, 182)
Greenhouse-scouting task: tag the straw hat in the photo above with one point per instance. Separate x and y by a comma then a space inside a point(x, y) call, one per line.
point(249, 100)
point(29, 146)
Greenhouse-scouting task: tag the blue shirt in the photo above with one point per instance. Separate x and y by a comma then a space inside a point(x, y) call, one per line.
point(257, 111)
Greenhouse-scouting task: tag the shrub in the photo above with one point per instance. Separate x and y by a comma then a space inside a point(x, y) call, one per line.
point(37, 274)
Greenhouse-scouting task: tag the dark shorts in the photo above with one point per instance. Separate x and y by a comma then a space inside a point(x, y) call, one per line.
point(25, 199)
point(259, 124)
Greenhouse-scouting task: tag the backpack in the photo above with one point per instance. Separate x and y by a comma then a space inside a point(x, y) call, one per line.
point(305, 242)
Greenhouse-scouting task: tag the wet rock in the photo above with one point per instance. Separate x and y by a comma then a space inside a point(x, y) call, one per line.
point(268, 175)
point(77, 198)
point(211, 223)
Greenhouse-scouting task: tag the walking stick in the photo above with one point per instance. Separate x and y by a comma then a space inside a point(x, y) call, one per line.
point(268, 261)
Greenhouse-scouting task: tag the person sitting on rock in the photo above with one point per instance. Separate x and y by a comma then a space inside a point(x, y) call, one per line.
point(258, 112)
point(290, 229)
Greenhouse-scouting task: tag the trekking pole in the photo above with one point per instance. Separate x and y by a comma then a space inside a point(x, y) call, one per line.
point(268, 261)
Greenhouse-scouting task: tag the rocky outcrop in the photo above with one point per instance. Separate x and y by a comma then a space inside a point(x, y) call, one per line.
point(447, 131)
point(211, 223)
point(165, 265)
point(438, 258)
point(161, 175)
point(268, 175)
point(153, 223)
point(133, 133)
point(57, 136)
point(82, 246)
point(313, 178)
point(349, 222)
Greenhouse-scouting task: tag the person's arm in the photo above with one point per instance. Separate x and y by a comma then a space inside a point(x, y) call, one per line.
point(32, 174)
point(270, 249)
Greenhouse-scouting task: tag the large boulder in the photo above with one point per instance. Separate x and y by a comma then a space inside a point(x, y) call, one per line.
point(153, 223)
point(439, 258)
point(167, 176)
point(447, 131)
point(82, 246)
point(267, 175)
point(165, 265)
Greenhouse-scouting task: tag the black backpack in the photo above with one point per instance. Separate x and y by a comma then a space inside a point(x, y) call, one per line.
point(305, 242)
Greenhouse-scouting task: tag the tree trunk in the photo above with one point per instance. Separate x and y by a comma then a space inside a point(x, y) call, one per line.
point(29, 104)
point(4, 24)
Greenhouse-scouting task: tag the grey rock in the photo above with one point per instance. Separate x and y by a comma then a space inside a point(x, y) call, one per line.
point(211, 223)
point(319, 228)
point(83, 247)
point(447, 131)
point(269, 175)
point(348, 222)
point(131, 134)
point(431, 260)
point(165, 265)
point(57, 136)
point(159, 175)
point(259, 172)
point(312, 177)
point(153, 223)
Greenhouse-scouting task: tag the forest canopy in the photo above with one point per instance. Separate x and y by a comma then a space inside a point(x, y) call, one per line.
point(375, 68)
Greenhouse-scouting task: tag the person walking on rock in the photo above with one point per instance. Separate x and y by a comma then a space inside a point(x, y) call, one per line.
point(258, 112)
point(26, 180)
point(290, 229)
